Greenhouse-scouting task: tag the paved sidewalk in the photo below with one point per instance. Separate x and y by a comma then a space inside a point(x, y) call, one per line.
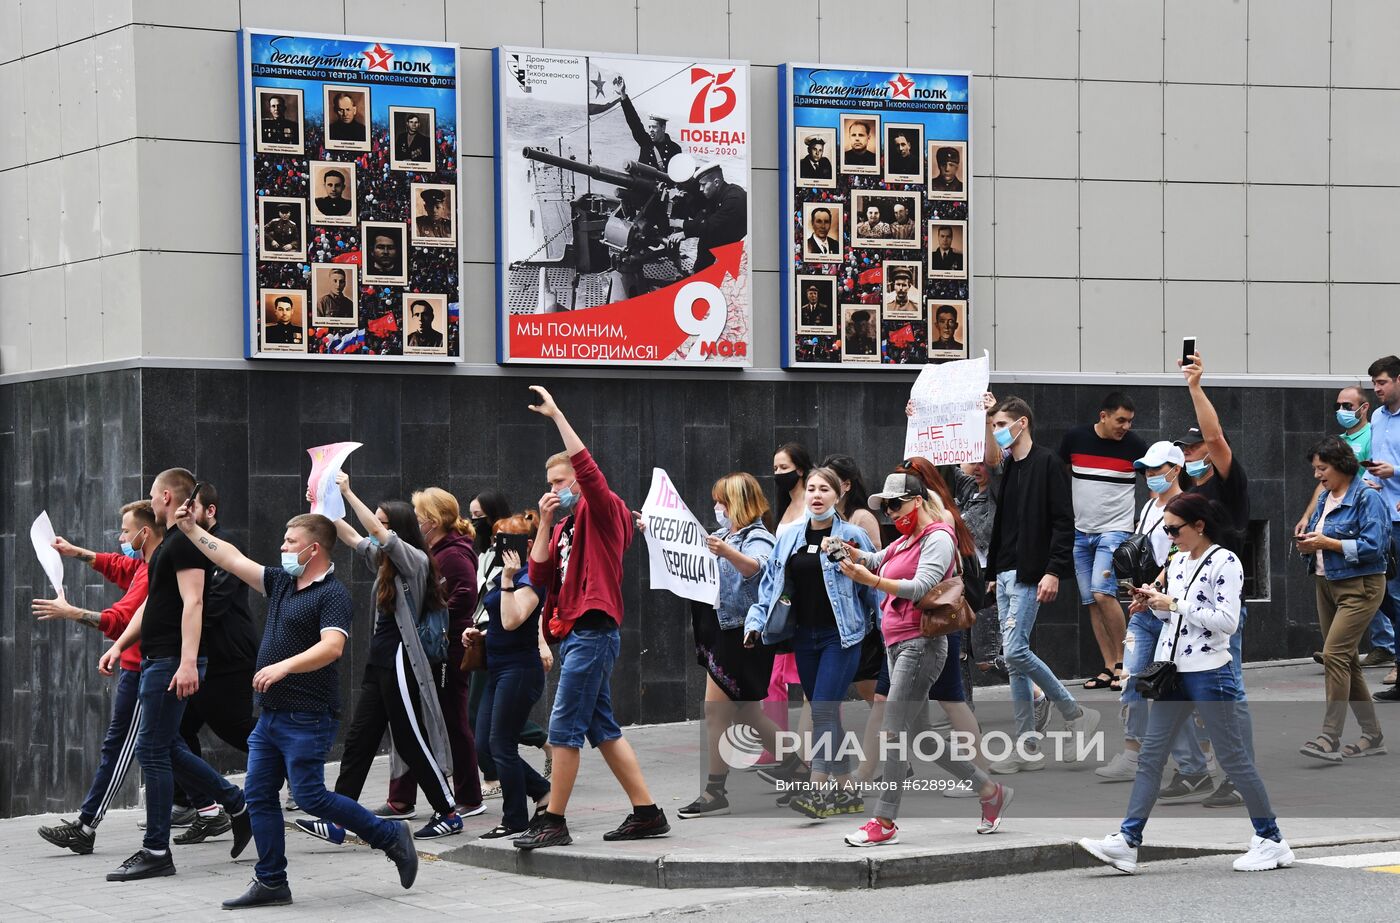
point(703, 860)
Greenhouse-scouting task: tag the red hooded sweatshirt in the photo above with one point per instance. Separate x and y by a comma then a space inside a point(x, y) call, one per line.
point(593, 578)
point(129, 574)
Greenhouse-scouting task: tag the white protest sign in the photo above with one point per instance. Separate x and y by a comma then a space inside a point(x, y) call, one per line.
point(42, 535)
point(949, 425)
point(680, 561)
point(326, 462)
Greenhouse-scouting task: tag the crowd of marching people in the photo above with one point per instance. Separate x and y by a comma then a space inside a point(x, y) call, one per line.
point(828, 586)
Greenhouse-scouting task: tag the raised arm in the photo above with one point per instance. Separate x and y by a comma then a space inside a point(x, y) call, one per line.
point(223, 555)
point(69, 550)
point(373, 526)
point(1207, 419)
point(547, 408)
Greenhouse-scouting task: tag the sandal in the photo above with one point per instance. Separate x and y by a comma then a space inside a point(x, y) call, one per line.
point(1374, 746)
point(1104, 680)
point(1323, 747)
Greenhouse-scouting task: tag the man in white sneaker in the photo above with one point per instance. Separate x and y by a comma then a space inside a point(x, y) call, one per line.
point(1031, 548)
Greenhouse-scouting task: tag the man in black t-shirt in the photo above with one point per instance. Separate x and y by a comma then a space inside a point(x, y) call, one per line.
point(170, 630)
point(230, 640)
point(1219, 475)
point(297, 685)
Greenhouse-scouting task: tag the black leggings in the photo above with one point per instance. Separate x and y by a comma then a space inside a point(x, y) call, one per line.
point(225, 703)
point(389, 699)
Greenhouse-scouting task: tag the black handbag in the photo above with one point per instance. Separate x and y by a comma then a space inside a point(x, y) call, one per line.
point(1134, 560)
point(1160, 678)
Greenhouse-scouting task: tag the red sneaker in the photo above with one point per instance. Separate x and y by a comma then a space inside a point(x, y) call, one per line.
point(874, 833)
point(994, 807)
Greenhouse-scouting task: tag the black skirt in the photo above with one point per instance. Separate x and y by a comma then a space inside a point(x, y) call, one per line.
point(743, 673)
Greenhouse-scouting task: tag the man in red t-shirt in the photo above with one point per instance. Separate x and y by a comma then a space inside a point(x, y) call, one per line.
point(579, 571)
point(139, 536)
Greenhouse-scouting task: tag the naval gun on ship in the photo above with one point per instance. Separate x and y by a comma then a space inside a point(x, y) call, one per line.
point(615, 247)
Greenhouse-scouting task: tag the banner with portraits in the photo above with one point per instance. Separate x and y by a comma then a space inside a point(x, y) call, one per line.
point(876, 250)
point(622, 209)
point(351, 186)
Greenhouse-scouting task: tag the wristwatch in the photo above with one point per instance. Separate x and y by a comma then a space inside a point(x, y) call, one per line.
point(1173, 607)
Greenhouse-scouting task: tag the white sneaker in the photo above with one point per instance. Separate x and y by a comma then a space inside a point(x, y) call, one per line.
point(1264, 855)
point(1014, 764)
point(1115, 850)
point(1122, 768)
point(1080, 729)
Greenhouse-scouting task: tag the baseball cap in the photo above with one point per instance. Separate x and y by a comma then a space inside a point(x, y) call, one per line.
point(1191, 437)
point(897, 486)
point(1161, 453)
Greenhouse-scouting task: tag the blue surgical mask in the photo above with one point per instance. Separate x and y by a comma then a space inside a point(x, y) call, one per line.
point(1197, 468)
point(568, 499)
point(721, 517)
point(1348, 418)
point(1004, 436)
point(131, 551)
point(1158, 483)
point(823, 518)
point(291, 563)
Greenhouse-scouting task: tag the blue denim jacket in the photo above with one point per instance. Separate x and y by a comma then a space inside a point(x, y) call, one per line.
point(856, 607)
point(1363, 526)
point(737, 592)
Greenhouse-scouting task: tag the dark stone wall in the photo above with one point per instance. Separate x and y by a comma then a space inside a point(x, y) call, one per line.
point(83, 445)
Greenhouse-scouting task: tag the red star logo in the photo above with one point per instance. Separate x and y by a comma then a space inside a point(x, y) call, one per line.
point(377, 58)
point(900, 87)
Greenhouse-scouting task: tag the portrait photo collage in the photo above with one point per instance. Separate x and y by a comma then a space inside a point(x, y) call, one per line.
point(355, 219)
point(880, 241)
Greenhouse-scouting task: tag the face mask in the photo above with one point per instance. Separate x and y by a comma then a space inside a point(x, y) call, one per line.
point(907, 523)
point(1158, 483)
point(786, 481)
point(568, 499)
point(1348, 418)
point(1197, 468)
point(291, 563)
point(823, 517)
point(131, 551)
point(481, 524)
point(1004, 436)
point(721, 517)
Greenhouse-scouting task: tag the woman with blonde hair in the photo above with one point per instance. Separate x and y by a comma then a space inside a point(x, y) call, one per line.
point(737, 676)
point(448, 538)
point(925, 555)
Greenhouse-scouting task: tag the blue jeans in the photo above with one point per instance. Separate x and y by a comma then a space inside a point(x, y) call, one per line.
point(1017, 608)
point(1390, 606)
point(1143, 631)
point(512, 689)
point(1093, 563)
point(292, 746)
point(1382, 633)
point(826, 670)
point(583, 699)
point(1219, 698)
point(164, 755)
point(118, 747)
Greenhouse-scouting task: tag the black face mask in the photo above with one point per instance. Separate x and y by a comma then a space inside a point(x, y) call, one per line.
point(481, 530)
point(786, 481)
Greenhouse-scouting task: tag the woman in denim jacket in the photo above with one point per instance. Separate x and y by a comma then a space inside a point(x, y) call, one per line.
point(804, 598)
point(738, 676)
point(1345, 546)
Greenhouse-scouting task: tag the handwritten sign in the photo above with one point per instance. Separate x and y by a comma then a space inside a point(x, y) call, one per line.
point(949, 424)
point(680, 560)
point(326, 462)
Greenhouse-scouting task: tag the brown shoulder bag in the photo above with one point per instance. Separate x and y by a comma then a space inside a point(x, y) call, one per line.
point(944, 608)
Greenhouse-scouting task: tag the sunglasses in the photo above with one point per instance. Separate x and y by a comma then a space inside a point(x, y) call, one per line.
point(1345, 405)
point(1173, 531)
point(894, 506)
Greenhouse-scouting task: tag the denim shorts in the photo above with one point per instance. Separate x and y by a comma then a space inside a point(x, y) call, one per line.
point(583, 699)
point(1093, 563)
